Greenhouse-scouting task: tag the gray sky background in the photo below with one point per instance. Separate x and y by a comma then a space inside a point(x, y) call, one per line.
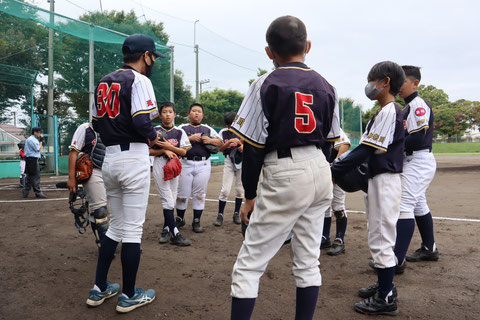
point(347, 36)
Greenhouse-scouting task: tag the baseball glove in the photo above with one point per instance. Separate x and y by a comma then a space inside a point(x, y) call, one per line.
point(83, 168)
point(172, 169)
point(210, 147)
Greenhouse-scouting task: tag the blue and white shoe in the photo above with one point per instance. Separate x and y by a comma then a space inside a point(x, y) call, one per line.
point(97, 297)
point(139, 299)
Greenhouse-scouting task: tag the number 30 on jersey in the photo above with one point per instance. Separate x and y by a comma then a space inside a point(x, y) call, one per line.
point(304, 117)
point(107, 99)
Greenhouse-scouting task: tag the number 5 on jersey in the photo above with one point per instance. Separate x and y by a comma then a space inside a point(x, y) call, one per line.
point(107, 99)
point(306, 122)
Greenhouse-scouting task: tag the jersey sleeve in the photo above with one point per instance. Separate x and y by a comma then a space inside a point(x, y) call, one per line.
point(221, 134)
point(380, 135)
point(143, 98)
point(251, 124)
point(78, 139)
point(184, 141)
point(214, 133)
point(341, 141)
point(418, 116)
point(334, 133)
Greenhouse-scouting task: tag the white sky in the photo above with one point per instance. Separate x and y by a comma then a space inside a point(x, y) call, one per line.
point(348, 37)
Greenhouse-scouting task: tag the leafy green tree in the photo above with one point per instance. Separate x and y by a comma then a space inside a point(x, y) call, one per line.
point(434, 96)
point(260, 72)
point(217, 102)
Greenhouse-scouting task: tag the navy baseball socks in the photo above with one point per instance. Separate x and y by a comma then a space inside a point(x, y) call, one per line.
point(405, 229)
point(428, 250)
point(338, 245)
point(170, 231)
point(180, 220)
point(242, 309)
point(236, 212)
point(197, 228)
point(306, 303)
point(221, 209)
point(380, 298)
point(326, 243)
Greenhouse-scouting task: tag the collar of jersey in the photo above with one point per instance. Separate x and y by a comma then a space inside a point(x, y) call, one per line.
point(295, 65)
point(195, 125)
point(411, 97)
point(126, 67)
point(167, 129)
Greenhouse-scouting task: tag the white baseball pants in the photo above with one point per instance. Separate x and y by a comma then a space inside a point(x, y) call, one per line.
point(418, 172)
point(126, 175)
point(193, 182)
point(338, 201)
point(166, 189)
point(230, 173)
point(95, 190)
point(383, 209)
point(293, 196)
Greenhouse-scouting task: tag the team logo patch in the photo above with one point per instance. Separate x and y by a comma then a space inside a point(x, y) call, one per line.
point(405, 124)
point(173, 142)
point(420, 111)
point(149, 103)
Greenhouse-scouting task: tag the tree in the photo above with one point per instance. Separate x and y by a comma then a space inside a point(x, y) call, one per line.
point(434, 96)
point(260, 72)
point(350, 117)
point(217, 102)
point(182, 93)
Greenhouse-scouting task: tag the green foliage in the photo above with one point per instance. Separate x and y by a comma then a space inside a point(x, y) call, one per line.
point(453, 118)
point(217, 102)
point(434, 96)
point(182, 93)
point(350, 117)
point(260, 72)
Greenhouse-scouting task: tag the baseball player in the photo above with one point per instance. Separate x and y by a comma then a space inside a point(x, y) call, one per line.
point(232, 171)
point(284, 120)
point(33, 146)
point(418, 171)
point(21, 146)
point(86, 140)
point(174, 145)
point(124, 107)
point(382, 143)
point(340, 147)
point(195, 167)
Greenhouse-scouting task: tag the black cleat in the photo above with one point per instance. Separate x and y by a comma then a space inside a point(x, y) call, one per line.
point(377, 305)
point(41, 195)
point(219, 221)
point(399, 269)
point(25, 194)
point(165, 236)
point(180, 240)
point(423, 254)
point(236, 218)
point(180, 222)
point(197, 228)
point(370, 291)
point(337, 248)
point(326, 243)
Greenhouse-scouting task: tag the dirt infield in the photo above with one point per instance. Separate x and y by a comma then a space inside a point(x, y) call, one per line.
point(47, 268)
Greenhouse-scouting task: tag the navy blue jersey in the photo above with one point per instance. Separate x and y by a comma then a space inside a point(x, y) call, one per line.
point(198, 149)
point(124, 107)
point(226, 135)
point(385, 132)
point(175, 136)
point(418, 116)
point(289, 107)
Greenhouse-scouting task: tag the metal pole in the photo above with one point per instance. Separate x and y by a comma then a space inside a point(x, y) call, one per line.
point(31, 99)
point(51, 145)
point(195, 45)
point(341, 114)
point(172, 74)
point(90, 79)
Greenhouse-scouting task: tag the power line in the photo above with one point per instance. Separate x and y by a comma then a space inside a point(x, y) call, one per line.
point(225, 60)
point(163, 13)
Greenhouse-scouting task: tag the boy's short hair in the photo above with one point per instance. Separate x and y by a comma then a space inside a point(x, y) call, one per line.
point(287, 36)
point(229, 117)
point(132, 57)
point(195, 104)
point(36, 129)
point(389, 69)
point(412, 72)
point(167, 104)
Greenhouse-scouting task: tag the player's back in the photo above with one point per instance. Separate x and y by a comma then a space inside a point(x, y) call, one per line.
point(114, 108)
point(298, 104)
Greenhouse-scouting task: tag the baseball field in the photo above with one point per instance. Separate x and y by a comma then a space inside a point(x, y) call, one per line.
point(47, 267)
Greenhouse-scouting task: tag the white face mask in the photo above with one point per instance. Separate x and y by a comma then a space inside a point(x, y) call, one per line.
point(371, 90)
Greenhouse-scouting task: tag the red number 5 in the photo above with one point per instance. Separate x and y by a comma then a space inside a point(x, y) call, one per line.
point(107, 100)
point(304, 124)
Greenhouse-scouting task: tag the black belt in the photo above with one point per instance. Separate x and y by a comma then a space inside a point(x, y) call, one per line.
point(124, 146)
point(284, 153)
point(410, 152)
point(196, 158)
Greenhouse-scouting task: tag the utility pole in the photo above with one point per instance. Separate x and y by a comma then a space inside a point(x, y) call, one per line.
point(50, 147)
point(91, 73)
point(202, 82)
point(195, 46)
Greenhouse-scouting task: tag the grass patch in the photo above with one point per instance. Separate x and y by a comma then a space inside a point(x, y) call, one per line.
point(460, 147)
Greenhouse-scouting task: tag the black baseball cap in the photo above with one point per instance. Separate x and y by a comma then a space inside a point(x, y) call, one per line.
point(140, 43)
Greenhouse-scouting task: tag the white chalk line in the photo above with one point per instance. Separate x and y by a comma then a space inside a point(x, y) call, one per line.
point(231, 201)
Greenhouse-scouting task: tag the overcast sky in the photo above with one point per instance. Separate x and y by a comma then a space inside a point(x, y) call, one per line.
point(348, 37)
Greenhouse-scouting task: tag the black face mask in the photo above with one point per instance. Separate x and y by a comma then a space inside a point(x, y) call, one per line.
point(149, 68)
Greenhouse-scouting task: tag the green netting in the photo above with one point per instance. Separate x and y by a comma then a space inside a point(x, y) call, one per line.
point(351, 120)
point(17, 75)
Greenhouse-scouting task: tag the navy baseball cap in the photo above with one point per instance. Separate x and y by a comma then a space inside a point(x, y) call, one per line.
point(140, 43)
point(36, 129)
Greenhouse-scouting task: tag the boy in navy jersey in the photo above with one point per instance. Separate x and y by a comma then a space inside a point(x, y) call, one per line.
point(285, 118)
point(382, 144)
point(174, 145)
